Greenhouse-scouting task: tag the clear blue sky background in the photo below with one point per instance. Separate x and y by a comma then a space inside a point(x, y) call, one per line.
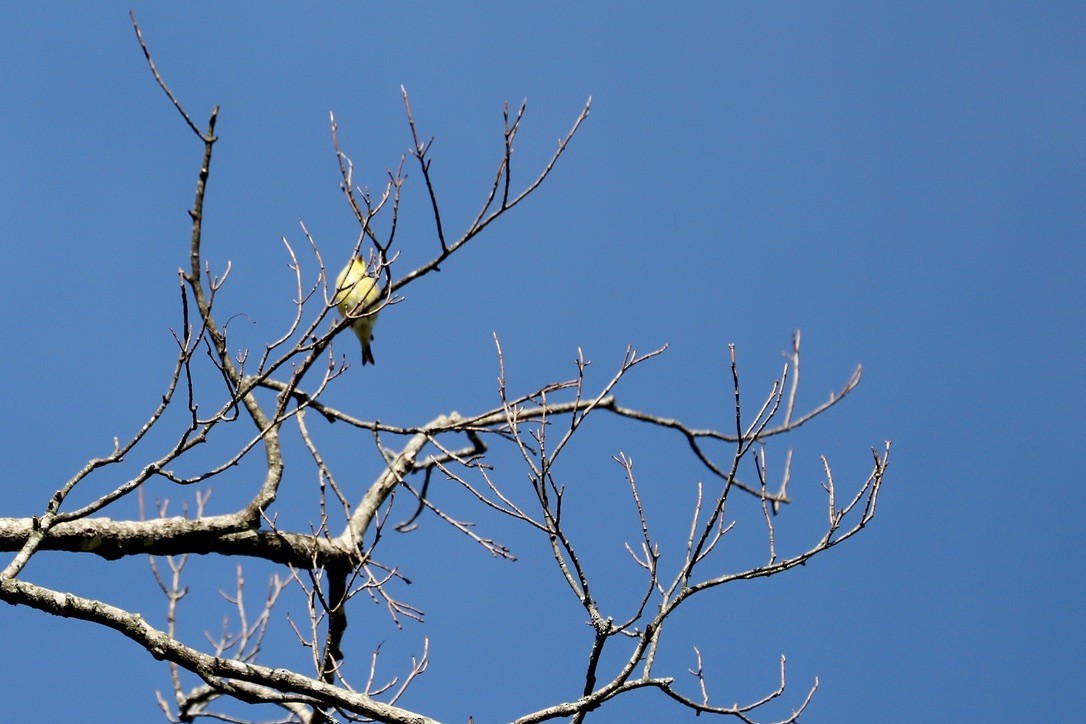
point(903, 182)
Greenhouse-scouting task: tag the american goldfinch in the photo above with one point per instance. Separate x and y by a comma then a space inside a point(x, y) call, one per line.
point(356, 297)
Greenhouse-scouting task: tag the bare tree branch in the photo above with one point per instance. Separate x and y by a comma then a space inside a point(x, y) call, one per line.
point(322, 566)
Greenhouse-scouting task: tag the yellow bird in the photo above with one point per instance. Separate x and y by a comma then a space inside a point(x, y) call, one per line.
point(356, 298)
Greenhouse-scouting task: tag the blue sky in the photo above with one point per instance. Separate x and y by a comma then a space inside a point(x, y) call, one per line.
point(903, 183)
